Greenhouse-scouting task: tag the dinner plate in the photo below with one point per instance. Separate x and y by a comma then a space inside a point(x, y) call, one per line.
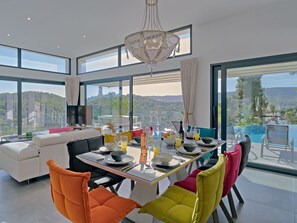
point(126, 159)
point(172, 163)
point(201, 143)
point(183, 151)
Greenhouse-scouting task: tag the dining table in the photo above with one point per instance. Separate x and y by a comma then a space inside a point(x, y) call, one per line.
point(145, 171)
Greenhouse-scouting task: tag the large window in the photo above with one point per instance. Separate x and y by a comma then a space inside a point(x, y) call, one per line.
point(8, 56)
point(8, 108)
point(99, 61)
point(110, 103)
point(158, 99)
point(185, 42)
point(117, 57)
point(253, 98)
point(127, 60)
point(43, 106)
point(40, 61)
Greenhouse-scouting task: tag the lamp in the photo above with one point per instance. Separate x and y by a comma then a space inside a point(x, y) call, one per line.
point(152, 44)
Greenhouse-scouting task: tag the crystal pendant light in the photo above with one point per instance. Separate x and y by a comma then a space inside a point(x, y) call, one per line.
point(152, 44)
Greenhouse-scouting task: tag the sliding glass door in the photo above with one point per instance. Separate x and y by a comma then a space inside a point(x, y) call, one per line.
point(43, 106)
point(254, 96)
point(110, 103)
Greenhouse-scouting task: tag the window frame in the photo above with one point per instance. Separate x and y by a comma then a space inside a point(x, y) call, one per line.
point(223, 67)
point(19, 60)
point(119, 47)
point(17, 57)
point(125, 78)
point(19, 82)
point(94, 53)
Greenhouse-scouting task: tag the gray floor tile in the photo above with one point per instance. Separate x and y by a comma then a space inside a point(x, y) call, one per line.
point(268, 198)
point(269, 189)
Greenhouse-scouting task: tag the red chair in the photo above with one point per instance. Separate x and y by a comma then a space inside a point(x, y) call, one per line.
point(137, 133)
point(232, 168)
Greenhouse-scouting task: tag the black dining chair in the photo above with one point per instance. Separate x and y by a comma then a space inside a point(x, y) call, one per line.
point(99, 177)
point(246, 148)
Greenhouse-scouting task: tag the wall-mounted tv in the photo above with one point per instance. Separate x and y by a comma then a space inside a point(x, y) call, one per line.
point(79, 114)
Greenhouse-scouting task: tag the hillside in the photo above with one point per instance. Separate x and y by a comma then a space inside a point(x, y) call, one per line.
point(284, 97)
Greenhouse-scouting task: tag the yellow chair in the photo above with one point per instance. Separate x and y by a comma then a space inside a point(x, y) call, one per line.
point(111, 137)
point(70, 195)
point(108, 138)
point(177, 205)
point(129, 134)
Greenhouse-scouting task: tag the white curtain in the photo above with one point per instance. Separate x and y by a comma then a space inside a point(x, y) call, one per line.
point(189, 72)
point(72, 90)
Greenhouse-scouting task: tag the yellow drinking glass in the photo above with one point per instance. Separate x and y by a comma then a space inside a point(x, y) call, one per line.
point(196, 136)
point(157, 147)
point(178, 142)
point(124, 142)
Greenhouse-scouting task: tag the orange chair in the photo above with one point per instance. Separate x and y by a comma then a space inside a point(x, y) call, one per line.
point(70, 195)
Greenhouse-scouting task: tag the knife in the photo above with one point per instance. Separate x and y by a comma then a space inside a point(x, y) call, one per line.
point(161, 169)
point(130, 167)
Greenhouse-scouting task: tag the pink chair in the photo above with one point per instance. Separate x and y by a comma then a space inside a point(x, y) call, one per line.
point(232, 168)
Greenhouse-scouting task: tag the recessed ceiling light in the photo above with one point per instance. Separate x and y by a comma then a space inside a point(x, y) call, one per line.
point(84, 36)
point(58, 47)
point(29, 18)
point(8, 34)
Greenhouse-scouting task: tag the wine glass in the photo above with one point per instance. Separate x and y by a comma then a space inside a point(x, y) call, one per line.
point(148, 167)
point(117, 139)
point(150, 144)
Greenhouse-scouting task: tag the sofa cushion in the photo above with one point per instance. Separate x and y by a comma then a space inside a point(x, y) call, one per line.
point(19, 150)
point(51, 139)
point(84, 134)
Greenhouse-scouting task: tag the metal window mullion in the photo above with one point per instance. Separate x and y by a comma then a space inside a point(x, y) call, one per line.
point(19, 93)
point(224, 105)
point(19, 58)
point(131, 104)
point(120, 102)
point(119, 57)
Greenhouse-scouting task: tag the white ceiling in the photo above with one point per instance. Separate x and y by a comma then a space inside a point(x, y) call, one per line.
point(104, 22)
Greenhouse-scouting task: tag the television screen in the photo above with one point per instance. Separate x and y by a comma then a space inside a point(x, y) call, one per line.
point(79, 114)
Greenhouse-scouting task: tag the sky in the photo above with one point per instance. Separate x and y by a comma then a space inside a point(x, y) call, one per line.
point(161, 89)
point(268, 81)
point(11, 87)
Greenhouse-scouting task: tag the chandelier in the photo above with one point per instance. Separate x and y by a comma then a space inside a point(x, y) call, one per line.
point(152, 44)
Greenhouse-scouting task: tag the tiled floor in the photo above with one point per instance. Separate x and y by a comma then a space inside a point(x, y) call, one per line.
point(278, 157)
point(269, 198)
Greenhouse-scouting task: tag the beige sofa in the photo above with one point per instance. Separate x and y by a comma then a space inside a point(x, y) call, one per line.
point(26, 160)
